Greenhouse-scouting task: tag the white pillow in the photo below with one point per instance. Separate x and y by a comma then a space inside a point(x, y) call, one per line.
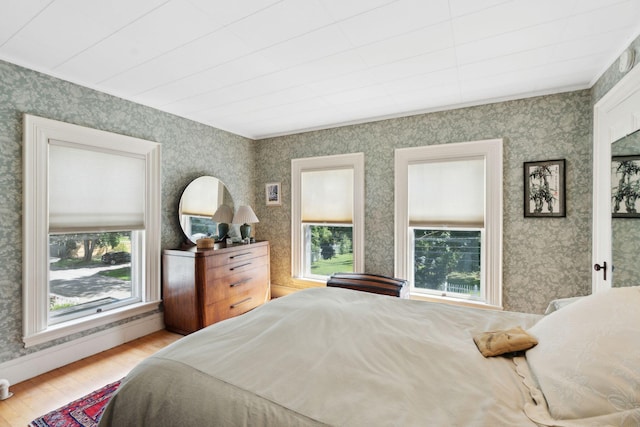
point(587, 361)
point(557, 304)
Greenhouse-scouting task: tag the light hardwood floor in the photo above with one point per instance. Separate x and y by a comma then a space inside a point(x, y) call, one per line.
point(54, 389)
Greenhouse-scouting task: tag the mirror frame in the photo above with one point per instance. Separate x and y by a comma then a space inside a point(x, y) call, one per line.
point(615, 115)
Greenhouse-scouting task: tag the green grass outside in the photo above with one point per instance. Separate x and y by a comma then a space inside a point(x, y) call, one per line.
point(123, 273)
point(337, 264)
point(53, 306)
point(70, 263)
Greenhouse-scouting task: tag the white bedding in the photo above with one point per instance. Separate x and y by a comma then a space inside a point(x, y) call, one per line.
point(330, 356)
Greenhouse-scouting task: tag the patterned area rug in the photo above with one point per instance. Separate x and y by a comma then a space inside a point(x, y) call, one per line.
point(85, 412)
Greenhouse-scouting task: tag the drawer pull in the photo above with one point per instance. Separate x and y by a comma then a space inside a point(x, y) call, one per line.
point(239, 255)
point(240, 266)
point(239, 282)
point(240, 303)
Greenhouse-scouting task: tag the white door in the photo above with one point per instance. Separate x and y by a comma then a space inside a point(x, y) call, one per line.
point(616, 116)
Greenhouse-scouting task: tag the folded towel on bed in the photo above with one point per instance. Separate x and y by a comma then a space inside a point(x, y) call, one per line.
point(496, 343)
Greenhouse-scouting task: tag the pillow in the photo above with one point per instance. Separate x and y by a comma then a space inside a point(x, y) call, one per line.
point(557, 304)
point(587, 361)
point(495, 343)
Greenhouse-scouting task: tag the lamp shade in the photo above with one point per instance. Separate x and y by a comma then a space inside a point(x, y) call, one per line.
point(245, 215)
point(223, 214)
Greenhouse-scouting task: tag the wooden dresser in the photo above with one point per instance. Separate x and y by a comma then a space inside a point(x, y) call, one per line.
point(204, 286)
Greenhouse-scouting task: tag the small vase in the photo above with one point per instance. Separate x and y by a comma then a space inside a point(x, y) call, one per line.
point(223, 230)
point(245, 231)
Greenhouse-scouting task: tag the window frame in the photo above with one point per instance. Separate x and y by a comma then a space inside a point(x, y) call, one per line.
point(37, 131)
point(492, 152)
point(353, 161)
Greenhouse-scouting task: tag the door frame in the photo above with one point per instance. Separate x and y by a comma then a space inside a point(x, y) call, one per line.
point(615, 116)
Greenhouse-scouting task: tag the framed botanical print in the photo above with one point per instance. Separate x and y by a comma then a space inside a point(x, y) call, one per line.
point(544, 189)
point(625, 186)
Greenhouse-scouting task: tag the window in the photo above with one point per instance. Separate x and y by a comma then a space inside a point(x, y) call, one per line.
point(86, 278)
point(449, 220)
point(327, 215)
point(91, 225)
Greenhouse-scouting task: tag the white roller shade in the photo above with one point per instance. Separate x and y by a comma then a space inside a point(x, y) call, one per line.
point(95, 190)
point(202, 197)
point(447, 193)
point(327, 196)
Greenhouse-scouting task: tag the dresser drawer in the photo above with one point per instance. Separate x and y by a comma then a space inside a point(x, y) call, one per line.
point(237, 283)
point(235, 305)
point(238, 256)
point(218, 272)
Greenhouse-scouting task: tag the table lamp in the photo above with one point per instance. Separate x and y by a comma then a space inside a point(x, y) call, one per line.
point(223, 217)
point(244, 216)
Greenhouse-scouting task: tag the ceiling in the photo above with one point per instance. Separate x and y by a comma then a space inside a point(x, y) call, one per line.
point(261, 68)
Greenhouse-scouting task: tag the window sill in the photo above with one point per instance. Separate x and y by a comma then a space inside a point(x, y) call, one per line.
point(304, 283)
point(74, 326)
point(455, 301)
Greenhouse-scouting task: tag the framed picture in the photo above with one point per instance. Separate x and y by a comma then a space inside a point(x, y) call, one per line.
point(544, 189)
point(272, 194)
point(625, 186)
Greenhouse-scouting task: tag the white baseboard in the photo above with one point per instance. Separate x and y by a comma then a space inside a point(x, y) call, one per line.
point(37, 363)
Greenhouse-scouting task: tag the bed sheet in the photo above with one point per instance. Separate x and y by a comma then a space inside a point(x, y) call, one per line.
point(331, 356)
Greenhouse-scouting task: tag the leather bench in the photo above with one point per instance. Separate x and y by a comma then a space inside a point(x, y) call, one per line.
point(373, 283)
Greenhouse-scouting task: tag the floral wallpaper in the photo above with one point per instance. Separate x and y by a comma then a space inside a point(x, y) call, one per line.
point(544, 258)
point(189, 150)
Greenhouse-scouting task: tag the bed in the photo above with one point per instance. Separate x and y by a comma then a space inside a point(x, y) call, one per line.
point(331, 356)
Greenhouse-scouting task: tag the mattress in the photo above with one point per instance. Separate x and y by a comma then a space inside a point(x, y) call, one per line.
point(331, 356)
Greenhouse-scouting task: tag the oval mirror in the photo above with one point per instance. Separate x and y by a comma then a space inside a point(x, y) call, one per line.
point(206, 209)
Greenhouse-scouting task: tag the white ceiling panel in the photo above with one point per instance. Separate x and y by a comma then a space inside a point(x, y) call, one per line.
point(497, 86)
point(317, 44)
point(428, 98)
point(511, 43)
point(466, 7)
point(62, 42)
point(354, 96)
point(340, 9)
point(225, 12)
point(324, 69)
point(518, 14)
point(620, 16)
point(519, 61)
point(422, 83)
point(261, 68)
point(202, 54)
point(374, 107)
point(62, 22)
point(166, 28)
point(584, 66)
point(17, 14)
point(407, 45)
point(193, 88)
point(594, 46)
point(396, 18)
point(281, 22)
point(422, 64)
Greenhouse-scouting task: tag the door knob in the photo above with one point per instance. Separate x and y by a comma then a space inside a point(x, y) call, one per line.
point(603, 267)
